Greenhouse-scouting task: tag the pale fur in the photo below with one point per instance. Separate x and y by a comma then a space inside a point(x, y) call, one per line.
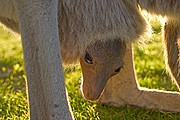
point(171, 42)
point(40, 39)
point(169, 8)
point(79, 24)
point(82, 22)
point(100, 20)
point(124, 88)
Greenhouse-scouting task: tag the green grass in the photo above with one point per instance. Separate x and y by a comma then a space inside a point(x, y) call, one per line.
point(150, 70)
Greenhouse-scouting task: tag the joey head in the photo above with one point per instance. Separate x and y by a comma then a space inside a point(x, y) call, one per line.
point(100, 61)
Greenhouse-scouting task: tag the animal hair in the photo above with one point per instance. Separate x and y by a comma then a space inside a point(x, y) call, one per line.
point(169, 8)
point(171, 35)
point(11, 24)
point(82, 22)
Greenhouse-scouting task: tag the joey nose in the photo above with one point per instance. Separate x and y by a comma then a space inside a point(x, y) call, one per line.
point(116, 71)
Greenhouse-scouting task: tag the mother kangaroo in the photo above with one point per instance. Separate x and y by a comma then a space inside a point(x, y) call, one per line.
point(73, 25)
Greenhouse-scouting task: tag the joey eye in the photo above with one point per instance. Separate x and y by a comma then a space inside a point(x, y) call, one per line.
point(88, 58)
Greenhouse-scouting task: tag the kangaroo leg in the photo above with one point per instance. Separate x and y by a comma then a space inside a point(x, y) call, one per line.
point(123, 89)
point(171, 49)
point(40, 38)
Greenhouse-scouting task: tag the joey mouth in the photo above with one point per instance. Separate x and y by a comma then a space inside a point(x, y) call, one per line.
point(93, 90)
